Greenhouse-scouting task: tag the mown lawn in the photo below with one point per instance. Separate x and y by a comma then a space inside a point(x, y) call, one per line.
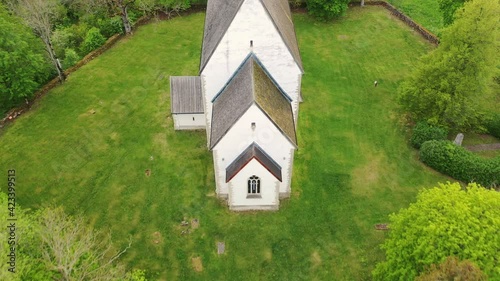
point(353, 167)
point(424, 12)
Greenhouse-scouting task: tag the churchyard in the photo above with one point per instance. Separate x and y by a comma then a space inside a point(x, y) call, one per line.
point(103, 144)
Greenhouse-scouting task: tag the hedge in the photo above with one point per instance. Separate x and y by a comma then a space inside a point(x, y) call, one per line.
point(459, 163)
point(424, 132)
point(493, 126)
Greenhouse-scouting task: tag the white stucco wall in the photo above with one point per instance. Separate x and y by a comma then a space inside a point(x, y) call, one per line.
point(251, 23)
point(189, 121)
point(238, 194)
point(241, 135)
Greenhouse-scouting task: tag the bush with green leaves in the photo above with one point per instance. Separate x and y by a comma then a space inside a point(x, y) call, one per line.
point(423, 132)
point(447, 220)
point(459, 163)
point(93, 40)
point(110, 26)
point(327, 9)
point(493, 126)
point(70, 58)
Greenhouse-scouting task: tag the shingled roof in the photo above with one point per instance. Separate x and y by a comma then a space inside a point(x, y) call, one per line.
point(251, 85)
point(220, 14)
point(185, 93)
point(253, 152)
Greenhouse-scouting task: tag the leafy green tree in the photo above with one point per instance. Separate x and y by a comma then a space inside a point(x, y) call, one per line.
point(93, 40)
point(447, 84)
point(448, 9)
point(22, 65)
point(327, 9)
point(445, 221)
point(50, 245)
point(41, 15)
point(455, 270)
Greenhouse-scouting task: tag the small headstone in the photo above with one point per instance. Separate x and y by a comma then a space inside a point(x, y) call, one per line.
point(375, 83)
point(197, 264)
point(221, 248)
point(184, 223)
point(382, 226)
point(458, 140)
point(195, 223)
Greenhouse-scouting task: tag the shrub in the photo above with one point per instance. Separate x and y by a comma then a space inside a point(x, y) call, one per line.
point(110, 26)
point(327, 9)
point(424, 132)
point(459, 163)
point(493, 126)
point(70, 58)
point(93, 40)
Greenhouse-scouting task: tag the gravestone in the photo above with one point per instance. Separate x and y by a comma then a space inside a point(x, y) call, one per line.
point(458, 140)
point(221, 248)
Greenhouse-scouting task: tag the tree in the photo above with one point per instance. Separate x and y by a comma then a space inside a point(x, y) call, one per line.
point(448, 9)
point(448, 84)
point(76, 251)
point(453, 269)
point(40, 16)
point(111, 7)
point(23, 66)
point(445, 221)
point(51, 245)
point(327, 9)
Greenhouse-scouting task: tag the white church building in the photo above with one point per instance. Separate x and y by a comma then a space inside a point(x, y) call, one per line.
point(247, 98)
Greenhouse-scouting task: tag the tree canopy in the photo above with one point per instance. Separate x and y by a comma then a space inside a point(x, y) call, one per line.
point(444, 221)
point(50, 245)
point(22, 65)
point(327, 9)
point(447, 84)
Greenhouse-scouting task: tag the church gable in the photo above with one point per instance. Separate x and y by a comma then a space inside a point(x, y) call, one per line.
point(253, 152)
point(251, 85)
point(221, 13)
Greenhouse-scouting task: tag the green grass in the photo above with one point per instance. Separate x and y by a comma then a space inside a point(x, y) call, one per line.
point(353, 167)
point(424, 12)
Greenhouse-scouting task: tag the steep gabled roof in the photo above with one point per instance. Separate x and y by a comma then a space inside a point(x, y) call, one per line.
point(220, 14)
point(253, 152)
point(282, 18)
point(185, 94)
point(251, 85)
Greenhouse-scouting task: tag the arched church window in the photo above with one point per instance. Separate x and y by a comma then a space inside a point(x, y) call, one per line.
point(254, 185)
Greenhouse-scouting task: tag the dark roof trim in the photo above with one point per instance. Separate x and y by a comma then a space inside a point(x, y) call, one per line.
point(254, 151)
point(232, 77)
point(254, 56)
point(272, 78)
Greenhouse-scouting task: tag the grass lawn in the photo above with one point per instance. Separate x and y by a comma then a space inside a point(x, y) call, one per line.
point(424, 12)
point(353, 167)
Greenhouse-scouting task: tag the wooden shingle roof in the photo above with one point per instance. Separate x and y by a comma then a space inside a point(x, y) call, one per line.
point(253, 152)
point(251, 85)
point(220, 14)
point(185, 93)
